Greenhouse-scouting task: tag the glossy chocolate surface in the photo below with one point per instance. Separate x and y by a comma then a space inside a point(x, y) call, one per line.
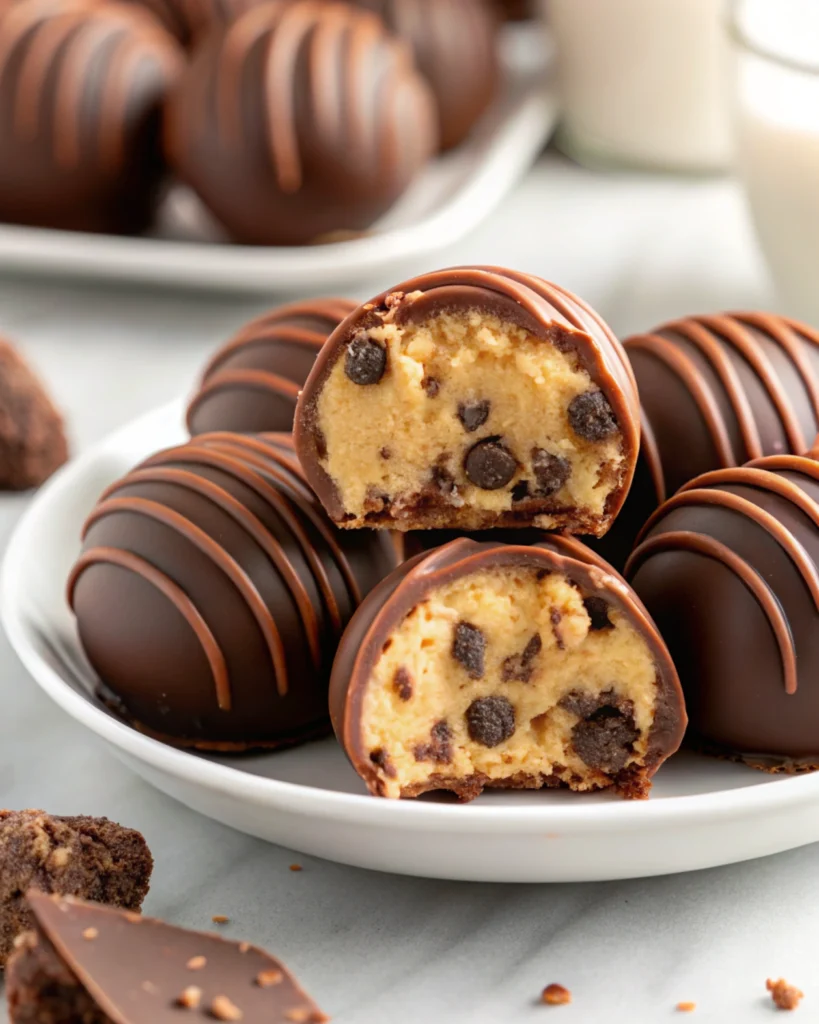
point(212, 591)
point(136, 969)
point(347, 127)
point(716, 391)
point(546, 310)
point(189, 21)
point(455, 45)
point(391, 601)
point(729, 569)
point(252, 383)
point(81, 89)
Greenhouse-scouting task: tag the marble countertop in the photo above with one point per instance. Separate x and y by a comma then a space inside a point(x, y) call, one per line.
point(372, 947)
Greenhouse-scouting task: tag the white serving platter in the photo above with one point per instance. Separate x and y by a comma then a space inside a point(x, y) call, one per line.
point(702, 813)
point(450, 198)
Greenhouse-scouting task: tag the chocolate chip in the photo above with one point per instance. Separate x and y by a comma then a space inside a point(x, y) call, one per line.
point(520, 491)
point(402, 683)
point(551, 471)
point(598, 611)
point(381, 759)
point(605, 739)
point(591, 417)
point(556, 618)
point(439, 748)
point(489, 465)
point(490, 720)
point(469, 648)
point(366, 361)
point(519, 666)
point(385, 453)
point(473, 414)
point(432, 386)
point(443, 479)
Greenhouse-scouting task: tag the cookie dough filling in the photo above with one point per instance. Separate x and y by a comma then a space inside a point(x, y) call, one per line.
point(466, 420)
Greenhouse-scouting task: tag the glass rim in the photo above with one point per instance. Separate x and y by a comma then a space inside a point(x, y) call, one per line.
point(740, 37)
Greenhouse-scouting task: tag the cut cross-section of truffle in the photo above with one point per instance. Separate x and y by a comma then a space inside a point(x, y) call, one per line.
point(136, 970)
point(502, 696)
point(80, 856)
point(535, 419)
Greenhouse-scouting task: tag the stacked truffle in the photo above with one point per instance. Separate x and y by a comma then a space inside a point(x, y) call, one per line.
point(295, 121)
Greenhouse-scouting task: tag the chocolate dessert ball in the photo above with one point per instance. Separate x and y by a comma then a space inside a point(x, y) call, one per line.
point(455, 43)
point(468, 399)
point(81, 87)
point(300, 120)
point(716, 391)
point(490, 664)
point(190, 20)
point(252, 383)
point(729, 569)
point(212, 591)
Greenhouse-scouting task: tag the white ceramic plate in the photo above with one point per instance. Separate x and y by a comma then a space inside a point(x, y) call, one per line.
point(450, 198)
point(702, 813)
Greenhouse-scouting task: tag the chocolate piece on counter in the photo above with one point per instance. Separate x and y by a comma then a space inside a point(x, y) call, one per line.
point(189, 21)
point(212, 591)
point(330, 149)
point(89, 857)
point(534, 419)
point(32, 438)
point(716, 391)
point(83, 85)
point(252, 383)
point(88, 963)
point(484, 630)
point(455, 44)
point(729, 568)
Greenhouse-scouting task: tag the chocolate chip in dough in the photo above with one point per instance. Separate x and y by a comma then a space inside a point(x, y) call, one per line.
point(519, 667)
point(604, 740)
point(551, 471)
point(598, 611)
point(489, 465)
point(520, 491)
point(469, 648)
point(381, 759)
point(431, 386)
point(439, 748)
point(473, 414)
point(443, 480)
point(591, 417)
point(402, 683)
point(365, 361)
point(490, 720)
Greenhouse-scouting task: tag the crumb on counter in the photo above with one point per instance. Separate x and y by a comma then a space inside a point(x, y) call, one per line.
point(785, 996)
point(220, 919)
point(296, 867)
point(686, 1007)
point(556, 995)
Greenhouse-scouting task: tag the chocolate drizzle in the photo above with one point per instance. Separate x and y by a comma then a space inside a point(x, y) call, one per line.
point(252, 383)
point(242, 506)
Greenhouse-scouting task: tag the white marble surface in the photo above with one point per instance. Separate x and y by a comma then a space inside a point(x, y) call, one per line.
point(375, 948)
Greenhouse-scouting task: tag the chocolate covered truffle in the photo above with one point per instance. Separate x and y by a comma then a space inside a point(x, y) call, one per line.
point(512, 666)
point(212, 591)
point(91, 964)
point(455, 44)
point(471, 398)
point(81, 87)
point(716, 391)
point(252, 383)
point(77, 856)
point(729, 568)
point(301, 120)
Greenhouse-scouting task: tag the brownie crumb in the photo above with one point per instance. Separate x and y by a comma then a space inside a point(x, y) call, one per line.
point(296, 867)
point(473, 414)
point(365, 361)
point(431, 386)
point(604, 740)
point(686, 1007)
point(490, 720)
point(196, 963)
point(519, 667)
point(556, 995)
point(402, 683)
point(223, 1009)
point(591, 417)
point(469, 648)
point(785, 996)
point(191, 998)
point(220, 919)
point(267, 979)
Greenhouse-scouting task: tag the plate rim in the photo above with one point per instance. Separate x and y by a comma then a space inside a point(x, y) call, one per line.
point(576, 816)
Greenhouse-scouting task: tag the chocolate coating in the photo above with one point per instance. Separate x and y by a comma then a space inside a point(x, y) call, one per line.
point(716, 391)
point(81, 88)
point(455, 47)
point(329, 149)
point(729, 568)
point(549, 312)
point(189, 21)
point(90, 963)
point(415, 579)
point(252, 383)
point(212, 590)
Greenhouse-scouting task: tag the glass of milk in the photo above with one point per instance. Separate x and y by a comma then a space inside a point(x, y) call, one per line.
point(776, 103)
point(643, 82)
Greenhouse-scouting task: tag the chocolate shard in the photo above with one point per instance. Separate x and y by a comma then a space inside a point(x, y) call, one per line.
point(134, 971)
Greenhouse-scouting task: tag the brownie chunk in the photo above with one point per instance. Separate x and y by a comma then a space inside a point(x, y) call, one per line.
point(591, 417)
point(469, 648)
point(89, 857)
point(86, 964)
